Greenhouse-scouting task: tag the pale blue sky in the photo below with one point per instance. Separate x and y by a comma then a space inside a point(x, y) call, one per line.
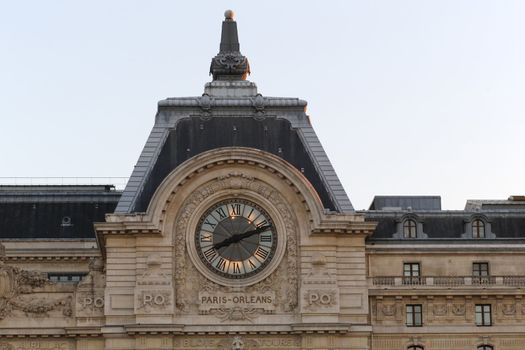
point(407, 97)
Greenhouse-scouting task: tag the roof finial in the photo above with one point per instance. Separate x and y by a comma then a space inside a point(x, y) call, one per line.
point(229, 15)
point(229, 64)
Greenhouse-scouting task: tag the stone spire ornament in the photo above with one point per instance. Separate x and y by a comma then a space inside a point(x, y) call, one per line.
point(229, 64)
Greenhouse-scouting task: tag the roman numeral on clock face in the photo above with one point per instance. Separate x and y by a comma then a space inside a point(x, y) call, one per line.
point(211, 224)
point(252, 265)
point(262, 223)
point(221, 212)
point(250, 215)
point(235, 209)
point(210, 254)
point(221, 264)
point(206, 237)
point(236, 267)
point(261, 253)
point(265, 238)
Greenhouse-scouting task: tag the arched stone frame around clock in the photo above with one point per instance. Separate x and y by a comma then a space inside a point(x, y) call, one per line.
point(268, 180)
point(266, 162)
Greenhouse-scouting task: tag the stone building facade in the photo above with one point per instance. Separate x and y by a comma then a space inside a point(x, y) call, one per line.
point(234, 232)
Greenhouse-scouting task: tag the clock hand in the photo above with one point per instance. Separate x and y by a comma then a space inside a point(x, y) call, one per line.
point(240, 236)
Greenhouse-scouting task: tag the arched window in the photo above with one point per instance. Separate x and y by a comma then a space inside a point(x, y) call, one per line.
point(478, 228)
point(415, 347)
point(409, 228)
point(485, 347)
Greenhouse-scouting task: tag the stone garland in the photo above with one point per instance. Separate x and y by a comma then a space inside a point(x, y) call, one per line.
point(15, 282)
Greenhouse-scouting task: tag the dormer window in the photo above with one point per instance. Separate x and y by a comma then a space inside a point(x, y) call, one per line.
point(478, 228)
point(409, 228)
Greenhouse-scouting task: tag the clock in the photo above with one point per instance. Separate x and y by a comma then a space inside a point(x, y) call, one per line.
point(236, 238)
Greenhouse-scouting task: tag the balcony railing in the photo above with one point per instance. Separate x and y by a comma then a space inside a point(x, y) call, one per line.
point(448, 281)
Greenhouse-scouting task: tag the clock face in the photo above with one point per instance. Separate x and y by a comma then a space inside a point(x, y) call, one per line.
point(236, 238)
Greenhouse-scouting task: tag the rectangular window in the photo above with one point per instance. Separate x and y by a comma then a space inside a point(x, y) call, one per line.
point(65, 277)
point(480, 273)
point(411, 273)
point(483, 315)
point(480, 269)
point(414, 315)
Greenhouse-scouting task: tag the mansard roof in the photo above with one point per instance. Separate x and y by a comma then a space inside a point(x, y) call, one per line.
point(505, 217)
point(231, 113)
point(54, 212)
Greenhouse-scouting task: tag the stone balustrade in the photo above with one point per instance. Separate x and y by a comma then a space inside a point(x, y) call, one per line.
point(446, 281)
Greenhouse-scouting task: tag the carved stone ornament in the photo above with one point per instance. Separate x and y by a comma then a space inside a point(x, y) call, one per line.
point(440, 309)
point(319, 288)
point(42, 306)
point(205, 103)
point(89, 303)
point(15, 283)
point(6, 346)
point(246, 342)
point(508, 309)
point(90, 291)
point(36, 343)
point(415, 340)
point(283, 281)
point(153, 275)
point(153, 301)
point(237, 343)
point(229, 65)
point(388, 309)
point(458, 309)
point(319, 299)
point(259, 103)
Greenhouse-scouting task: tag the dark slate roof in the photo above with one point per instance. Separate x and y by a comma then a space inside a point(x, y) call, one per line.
point(55, 212)
point(447, 226)
point(512, 203)
point(183, 129)
point(406, 202)
point(193, 135)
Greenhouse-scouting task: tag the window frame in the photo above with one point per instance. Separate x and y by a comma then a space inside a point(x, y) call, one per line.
point(483, 315)
point(414, 275)
point(412, 321)
point(66, 277)
point(480, 275)
point(479, 271)
point(409, 228)
point(479, 229)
